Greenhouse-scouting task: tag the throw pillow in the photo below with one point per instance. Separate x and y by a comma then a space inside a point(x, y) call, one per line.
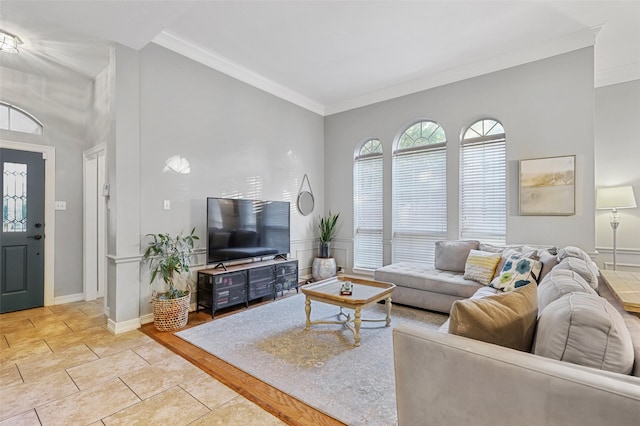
point(452, 255)
point(549, 260)
point(585, 329)
point(481, 266)
point(558, 283)
point(523, 251)
point(505, 319)
point(518, 271)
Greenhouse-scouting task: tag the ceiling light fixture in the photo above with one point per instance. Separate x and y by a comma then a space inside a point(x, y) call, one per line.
point(9, 42)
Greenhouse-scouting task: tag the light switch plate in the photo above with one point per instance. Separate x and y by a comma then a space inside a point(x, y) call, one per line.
point(61, 205)
point(167, 204)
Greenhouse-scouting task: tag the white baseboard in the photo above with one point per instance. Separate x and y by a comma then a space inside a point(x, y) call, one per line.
point(146, 319)
point(124, 326)
point(70, 298)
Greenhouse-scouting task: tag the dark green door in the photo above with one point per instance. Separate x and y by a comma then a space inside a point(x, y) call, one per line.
point(22, 245)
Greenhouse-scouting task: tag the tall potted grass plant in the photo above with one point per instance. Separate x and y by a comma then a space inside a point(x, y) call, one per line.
point(169, 257)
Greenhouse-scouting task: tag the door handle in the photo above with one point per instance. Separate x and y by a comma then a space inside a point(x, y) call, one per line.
point(35, 237)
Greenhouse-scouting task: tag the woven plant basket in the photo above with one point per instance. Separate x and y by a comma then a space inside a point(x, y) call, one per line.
point(171, 314)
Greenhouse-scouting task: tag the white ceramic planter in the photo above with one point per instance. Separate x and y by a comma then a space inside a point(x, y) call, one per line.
point(323, 268)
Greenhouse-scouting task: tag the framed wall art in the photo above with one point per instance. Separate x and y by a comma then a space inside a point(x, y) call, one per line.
point(547, 186)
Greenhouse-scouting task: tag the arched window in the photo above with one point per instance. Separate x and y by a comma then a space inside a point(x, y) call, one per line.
point(483, 182)
point(419, 192)
point(367, 205)
point(17, 120)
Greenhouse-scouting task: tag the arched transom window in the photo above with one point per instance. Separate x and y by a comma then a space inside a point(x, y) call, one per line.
point(18, 120)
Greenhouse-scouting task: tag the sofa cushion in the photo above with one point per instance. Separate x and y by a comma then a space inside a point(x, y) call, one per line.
point(558, 283)
point(518, 271)
point(571, 251)
point(481, 266)
point(581, 267)
point(452, 255)
point(491, 248)
point(423, 277)
point(578, 253)
point(585, 329)
point(505, 319)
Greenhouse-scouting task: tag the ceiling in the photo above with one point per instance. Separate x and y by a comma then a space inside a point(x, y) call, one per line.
point(329, 56)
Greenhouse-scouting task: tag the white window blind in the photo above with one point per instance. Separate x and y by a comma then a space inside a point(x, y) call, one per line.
point(368, 211)
point(419, 194)
point(483, 201)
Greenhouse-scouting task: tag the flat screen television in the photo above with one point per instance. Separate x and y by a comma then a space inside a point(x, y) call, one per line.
point(242, 229)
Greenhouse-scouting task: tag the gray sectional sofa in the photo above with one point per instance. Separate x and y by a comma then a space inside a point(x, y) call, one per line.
point(436, 288)
point(581, 365)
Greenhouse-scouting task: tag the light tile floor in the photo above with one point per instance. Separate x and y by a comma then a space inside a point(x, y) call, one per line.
point(60, 366)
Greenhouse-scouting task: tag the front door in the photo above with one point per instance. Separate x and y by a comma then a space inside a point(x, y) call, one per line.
point(22, 244)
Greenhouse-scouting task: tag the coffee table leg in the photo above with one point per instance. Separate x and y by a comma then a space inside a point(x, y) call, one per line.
point(356, 322)
point(307, 309)
point(388, 305)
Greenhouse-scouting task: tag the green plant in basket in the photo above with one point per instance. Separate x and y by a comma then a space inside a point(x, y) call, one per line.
point(168, 255)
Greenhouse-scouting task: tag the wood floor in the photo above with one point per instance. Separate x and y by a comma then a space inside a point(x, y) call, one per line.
point(280, 404)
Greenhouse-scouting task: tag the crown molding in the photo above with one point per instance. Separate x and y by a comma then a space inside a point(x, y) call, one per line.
point(226, 66)
point(617, 75)
point(568, 43)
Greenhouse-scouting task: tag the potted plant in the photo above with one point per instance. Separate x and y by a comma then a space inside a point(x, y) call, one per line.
point(327, 226)
point(168, 256)
point(324, 266)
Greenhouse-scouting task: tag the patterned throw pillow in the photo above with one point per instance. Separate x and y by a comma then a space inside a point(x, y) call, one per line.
point(481, 266)
point(517, 272)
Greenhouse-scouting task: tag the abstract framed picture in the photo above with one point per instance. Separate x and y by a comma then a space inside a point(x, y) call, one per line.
point(547, 186)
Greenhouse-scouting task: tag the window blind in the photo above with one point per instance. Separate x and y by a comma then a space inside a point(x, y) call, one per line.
point(419, 203)
point(483, 201)
point(368, 245)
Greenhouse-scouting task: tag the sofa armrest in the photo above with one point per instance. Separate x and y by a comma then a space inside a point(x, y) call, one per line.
point(447, 379)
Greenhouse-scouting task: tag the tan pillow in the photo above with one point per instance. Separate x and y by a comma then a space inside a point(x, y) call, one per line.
point(481, 266)
point(505, 319)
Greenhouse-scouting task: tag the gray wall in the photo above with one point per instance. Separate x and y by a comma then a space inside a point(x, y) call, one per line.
point(546, 108)
point(62, 106)
point(239, 141)
point(617, 150)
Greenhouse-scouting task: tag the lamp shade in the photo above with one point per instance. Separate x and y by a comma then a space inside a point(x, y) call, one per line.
point(619, 197)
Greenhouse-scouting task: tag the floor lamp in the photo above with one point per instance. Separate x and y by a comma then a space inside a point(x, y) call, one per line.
point(620, 197)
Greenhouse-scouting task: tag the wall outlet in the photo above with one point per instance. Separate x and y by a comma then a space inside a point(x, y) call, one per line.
point(167, 204)
point(60, 205)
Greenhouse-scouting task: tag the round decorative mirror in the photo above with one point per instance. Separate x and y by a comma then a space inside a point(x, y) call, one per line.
point(305, 202)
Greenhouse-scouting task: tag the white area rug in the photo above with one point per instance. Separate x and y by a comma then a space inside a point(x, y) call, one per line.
point(321, 367)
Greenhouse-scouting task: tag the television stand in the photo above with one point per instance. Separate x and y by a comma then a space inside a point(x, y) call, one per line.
point(219, 288)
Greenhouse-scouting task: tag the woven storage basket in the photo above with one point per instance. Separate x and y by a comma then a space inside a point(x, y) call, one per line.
point(171, 314)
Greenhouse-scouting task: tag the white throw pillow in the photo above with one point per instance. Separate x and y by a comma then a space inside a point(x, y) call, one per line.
point(518, 271)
